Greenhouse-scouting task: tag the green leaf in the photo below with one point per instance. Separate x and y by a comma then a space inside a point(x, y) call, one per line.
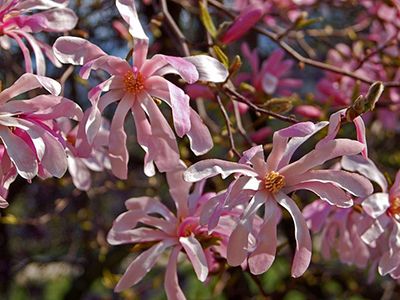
point(221, 56)
point(207, 20)
point(307, 22)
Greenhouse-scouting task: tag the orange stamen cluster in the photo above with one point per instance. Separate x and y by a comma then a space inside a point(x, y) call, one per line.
point(273, 182)
point(133, 82)
point(394, 208)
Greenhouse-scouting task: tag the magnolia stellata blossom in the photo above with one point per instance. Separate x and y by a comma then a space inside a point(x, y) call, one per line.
point(180, 233)
point(308, 111)
point(8, 173)
point(384, 208)
point(269, 182)
point(340, 231)
point(270, 77)
point(342, 227)
point(79, 166)
point(26, 127)
point(287, 10)
point(135, 87)
point(243, 23)
point(19, 19)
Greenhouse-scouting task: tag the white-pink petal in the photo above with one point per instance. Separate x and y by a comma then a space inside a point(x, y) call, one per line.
point(209, 68)
point(366, 167)
point(302, 257)
point(142, 265)
point(75, 51)
point(261, 259)
point(29, 82)
point(20, 153)
point(171, 284)
point(376, 204)
point(196, 256)
point(212, 167)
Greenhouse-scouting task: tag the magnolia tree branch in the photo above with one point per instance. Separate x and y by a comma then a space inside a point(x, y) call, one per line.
point(240, 98)
point(300, 58)
point(174, 27)
point(228, 127)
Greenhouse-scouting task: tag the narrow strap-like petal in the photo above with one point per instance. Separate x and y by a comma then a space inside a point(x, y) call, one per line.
point(127, 9)
point(196, 256)
point(331, 149)
point(40, 61)
point(29, 82)
point(296, 142)
point(209, 68)
point(150, 205)
point(176, 98)
point(280, 142)
point(20, 153)
point(302, 257)
point(53, 158)
point(179, 190)
point(117, 140)
point(142, 265)
point(376, 204)
point(353, 183)
point(325, 191)
point(80, 174)
point(25, 51)
point(255, 156)
point(212, 167)
point(171, 284)
point(162, 139)
point(366, 167)
point(75, 50)
point(261, 259)
point(143, 136)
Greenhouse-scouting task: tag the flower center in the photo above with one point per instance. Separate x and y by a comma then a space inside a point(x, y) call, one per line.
point(273, 182)
point(394, 209)
point(71, 139)
point(133, 82)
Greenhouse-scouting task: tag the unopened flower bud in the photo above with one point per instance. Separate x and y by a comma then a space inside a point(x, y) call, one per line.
point(374, 93)
point(235, 65)
point(243, 23)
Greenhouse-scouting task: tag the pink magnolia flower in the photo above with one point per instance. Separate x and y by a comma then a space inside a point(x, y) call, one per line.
point(342, 227)
point(19, 19)
point(340, 231)
point(272, 76)
point(79, 166)
point(243, 23)
point(135, 87)
point(384, 208)
point(308, 111)
point(8, 173)
point(276, 11)
point(269, 182)
point(180, 233)
point(26, 127)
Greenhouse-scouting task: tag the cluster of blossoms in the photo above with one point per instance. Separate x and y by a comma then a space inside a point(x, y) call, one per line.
point(49, 134)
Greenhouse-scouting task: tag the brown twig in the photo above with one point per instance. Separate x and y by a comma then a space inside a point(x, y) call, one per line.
point(240, 98)
point(228, 127)
point(175, 28)
point(300, 58)
point(388, 43)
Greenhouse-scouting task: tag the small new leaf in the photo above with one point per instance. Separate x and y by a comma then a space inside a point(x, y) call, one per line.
point(206, 19)
point(221, 56)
